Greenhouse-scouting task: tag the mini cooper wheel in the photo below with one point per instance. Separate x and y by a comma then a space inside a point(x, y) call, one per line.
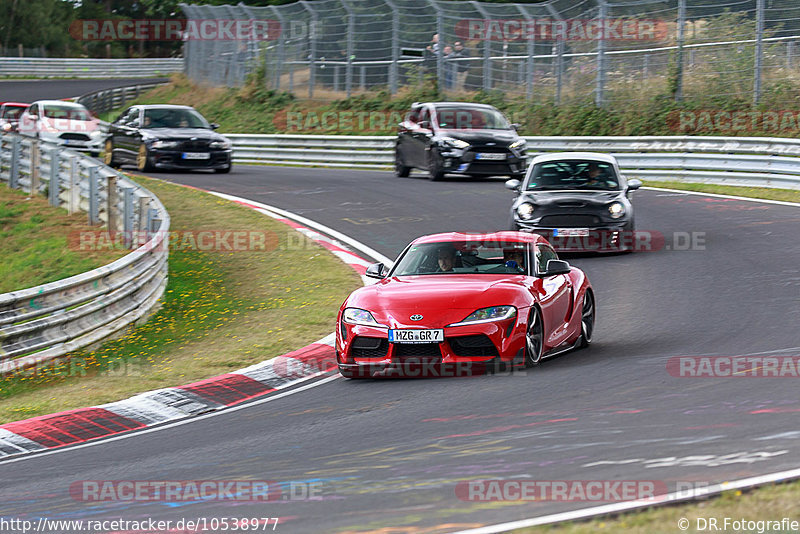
point(143, 162)
point(587, 319)
point(435, 171)
point(534, 339)
point(108, 155)
point(400, 170)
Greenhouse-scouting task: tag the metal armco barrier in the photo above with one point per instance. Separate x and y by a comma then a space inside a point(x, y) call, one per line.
point(41, 323)
point(88, 68)
point(750, 161)
point(109, 99)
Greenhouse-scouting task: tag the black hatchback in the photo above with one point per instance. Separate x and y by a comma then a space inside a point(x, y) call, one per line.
point(166, 137)
point(459, 138)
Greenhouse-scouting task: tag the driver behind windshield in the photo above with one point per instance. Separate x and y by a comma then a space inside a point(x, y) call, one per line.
point(446, 257)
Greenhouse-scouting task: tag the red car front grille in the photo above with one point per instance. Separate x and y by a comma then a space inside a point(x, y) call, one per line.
point(421, 351)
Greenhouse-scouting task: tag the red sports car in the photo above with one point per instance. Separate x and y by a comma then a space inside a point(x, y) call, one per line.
point(454, 302)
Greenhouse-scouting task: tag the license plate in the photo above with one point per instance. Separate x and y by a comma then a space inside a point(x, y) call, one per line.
point(489, 156)
point(416, 336)
point(196, 155)
point(571, 232)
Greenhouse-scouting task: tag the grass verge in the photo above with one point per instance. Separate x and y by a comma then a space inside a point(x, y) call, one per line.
point(770, 503)
point(35, 242)
point(766, 193)
point(222, 311)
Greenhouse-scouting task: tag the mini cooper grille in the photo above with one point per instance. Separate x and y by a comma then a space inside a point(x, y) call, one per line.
point(479, 345)
point(569, 221)
point(424, 351)
point(74, 136)
point(369, 347)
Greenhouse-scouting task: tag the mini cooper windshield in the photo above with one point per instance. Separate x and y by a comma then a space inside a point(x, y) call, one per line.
point(573, 174)
point(477, 257)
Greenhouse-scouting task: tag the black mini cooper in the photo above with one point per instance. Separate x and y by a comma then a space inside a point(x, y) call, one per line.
point(458, 138)
point(579, 201)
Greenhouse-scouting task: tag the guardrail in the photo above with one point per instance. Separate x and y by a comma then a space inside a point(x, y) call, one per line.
point(108, 99)
point(89, 68)
point(751, 161)
point(41, 323)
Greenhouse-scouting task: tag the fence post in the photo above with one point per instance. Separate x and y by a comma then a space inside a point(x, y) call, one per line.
point(351, 23)
point(94, 195)
point(789, 54)
point(759, 51)
point(73, 205)
point(679, 59)
point(393, 68)
point(13, 177)
point(54, 186)
point(36, 161)
point(112, 198)
point(127, 216)
point(559, 70)
point(529, 62)
point(600, 96)
point(487, 50)
point(313, 52)
point(281, 49)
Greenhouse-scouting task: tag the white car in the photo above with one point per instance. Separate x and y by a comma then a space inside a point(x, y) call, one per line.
point(63, 123)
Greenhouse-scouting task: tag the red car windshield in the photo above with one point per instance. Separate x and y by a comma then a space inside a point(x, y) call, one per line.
point(12, 112)
point(471, 257)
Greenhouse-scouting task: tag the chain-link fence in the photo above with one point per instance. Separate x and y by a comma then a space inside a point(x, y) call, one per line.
point(557, 51)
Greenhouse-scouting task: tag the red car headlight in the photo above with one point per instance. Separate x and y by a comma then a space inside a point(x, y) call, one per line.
point(488, 315)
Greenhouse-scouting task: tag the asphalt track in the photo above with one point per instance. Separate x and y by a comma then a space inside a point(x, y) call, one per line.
point(388, 454)
point(32, 90)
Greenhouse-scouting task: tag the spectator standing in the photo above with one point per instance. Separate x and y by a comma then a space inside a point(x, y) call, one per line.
point(461, 67)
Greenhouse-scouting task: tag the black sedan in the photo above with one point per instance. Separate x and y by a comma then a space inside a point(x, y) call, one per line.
point(458, 138)
point(166, 137)
point(578, 200)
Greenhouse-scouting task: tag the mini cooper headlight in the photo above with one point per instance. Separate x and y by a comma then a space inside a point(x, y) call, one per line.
point(616, 209)
point(488, 315)
point(456, 143)
point(359, 316)
point(525, 211)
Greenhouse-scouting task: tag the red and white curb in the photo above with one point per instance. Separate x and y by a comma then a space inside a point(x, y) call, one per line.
point(174, 403)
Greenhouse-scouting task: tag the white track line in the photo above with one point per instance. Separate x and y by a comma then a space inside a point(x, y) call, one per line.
point(311, 224)
point(670, 498)
point(190, 419)
point(719, 195)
